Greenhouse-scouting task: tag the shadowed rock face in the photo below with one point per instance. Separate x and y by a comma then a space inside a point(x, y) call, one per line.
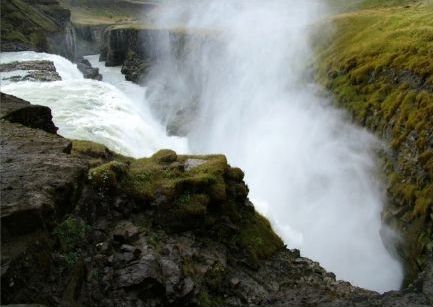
point(16, 110)
point(39, 177)
point(83, 226)
point(87, 70)
point(39, 25)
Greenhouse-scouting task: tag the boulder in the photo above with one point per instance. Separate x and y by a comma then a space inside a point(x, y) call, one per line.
point(16, 110)
point(39, 176)
point(41, 71)
point(87, 70)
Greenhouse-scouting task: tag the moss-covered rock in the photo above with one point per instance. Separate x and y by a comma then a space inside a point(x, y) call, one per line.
point(379, 67)
point(36, 25)
point(107, 176)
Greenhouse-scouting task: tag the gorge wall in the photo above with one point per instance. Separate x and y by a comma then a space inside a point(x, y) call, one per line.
point(386, 84)
point(39, 25)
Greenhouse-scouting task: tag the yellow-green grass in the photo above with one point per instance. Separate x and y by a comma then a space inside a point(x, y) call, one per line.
point(23, 23)
point(205, 198)
point(379, 66)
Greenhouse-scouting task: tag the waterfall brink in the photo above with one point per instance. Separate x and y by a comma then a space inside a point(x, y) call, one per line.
point(93, 110)
point(242, 76)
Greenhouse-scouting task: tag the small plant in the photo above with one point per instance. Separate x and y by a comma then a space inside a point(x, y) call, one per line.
point(70, 234)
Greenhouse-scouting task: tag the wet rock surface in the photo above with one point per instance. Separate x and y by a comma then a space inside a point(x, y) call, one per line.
point(87, 70)
point(41, 71)
point(39, 177)
point(168, 230)
point(16, 110)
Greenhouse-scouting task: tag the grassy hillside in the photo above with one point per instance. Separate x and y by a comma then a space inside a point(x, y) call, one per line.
point(379, 66)
point(25, 24)
point(107, 12)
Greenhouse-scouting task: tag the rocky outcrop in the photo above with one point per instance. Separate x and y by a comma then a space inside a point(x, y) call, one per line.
point(83, 226)
point(118, 41)
point(88, 38)
point(38, 25)
point(41, 71)
point(35, 167)
point(19, 111)
point(87, 70)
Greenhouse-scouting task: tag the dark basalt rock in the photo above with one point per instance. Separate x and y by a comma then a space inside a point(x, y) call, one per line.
point(42, 71)
point(28, 65)
point(39, 178)
point(135, 68)
point(87, 70)
point(16, 110)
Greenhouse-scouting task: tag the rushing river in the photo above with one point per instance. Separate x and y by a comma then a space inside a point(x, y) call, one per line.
point(111, 114)
point(310, 171)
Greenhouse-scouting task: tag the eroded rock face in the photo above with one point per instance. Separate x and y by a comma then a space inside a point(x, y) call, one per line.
point(87, 70)
point(16, 110)
point(39, 178)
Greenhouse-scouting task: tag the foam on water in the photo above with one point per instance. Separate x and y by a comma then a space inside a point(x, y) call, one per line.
point(93, 110)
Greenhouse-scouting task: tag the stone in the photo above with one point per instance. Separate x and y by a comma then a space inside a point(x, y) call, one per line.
point(126, 232)
point(39, 178)
point(41, 71)
point(87, 70)
point(16, 110)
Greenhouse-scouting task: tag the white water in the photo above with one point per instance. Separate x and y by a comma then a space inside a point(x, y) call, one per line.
point(309, 170)
point(93, 110)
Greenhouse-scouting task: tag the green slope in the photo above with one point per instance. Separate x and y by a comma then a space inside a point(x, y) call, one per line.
point(379, 66)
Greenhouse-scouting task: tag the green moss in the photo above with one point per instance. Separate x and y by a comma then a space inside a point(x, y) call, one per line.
point(165, 156)
point(424, 202)
point(88, 148)
point(378, 66)
point(193, 205)
point(257, 238)
point(108, 175)
point(70, 233)
point(25, 23)
point(207, 300)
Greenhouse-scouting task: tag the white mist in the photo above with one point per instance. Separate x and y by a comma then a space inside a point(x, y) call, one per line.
point(309, 170)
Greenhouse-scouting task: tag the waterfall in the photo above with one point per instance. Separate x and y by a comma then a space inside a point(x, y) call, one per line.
point(248, 94)
point(310, 171)
point(93, 110)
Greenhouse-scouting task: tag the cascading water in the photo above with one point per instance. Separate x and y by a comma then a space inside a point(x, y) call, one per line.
point(309, 170)
point(92, 110)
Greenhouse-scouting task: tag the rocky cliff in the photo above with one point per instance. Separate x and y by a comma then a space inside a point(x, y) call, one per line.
point(83, 226)
point(379, 67)
point(39, 25)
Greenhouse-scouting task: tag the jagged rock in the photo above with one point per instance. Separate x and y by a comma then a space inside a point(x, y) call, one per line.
point(41, 71)
point(16, 110)
point(125, 232)
point(135, 68)
point(28, 65)
point(88, 71)
point(39, 178)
